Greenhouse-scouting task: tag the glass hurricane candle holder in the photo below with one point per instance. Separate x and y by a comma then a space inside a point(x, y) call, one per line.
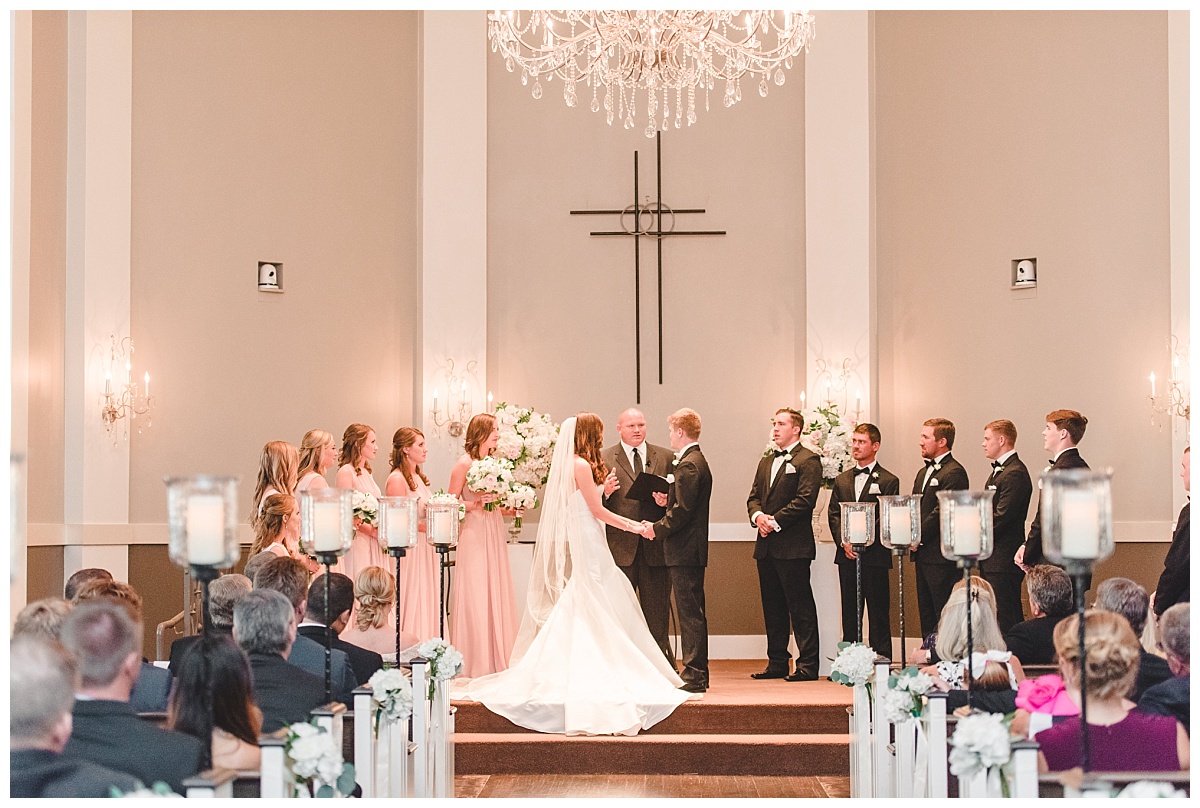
point(1077, 518)
point(858, 523)
point(900, 522)
point(326, 521)
point(202, 519)
point(966, 521)
point(398, 521)
point(441, 523)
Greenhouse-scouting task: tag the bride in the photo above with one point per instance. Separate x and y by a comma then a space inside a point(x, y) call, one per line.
point(584, 662)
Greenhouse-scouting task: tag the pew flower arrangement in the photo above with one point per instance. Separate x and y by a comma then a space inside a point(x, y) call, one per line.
point(854, 664)
point(1143, 789)
point(445, 661)
point(903, 701)
point(315, 761)
point(391, 694)
point(981, 742)
point(159, 789)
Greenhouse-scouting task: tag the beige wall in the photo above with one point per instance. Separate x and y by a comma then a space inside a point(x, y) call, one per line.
point(284, 137)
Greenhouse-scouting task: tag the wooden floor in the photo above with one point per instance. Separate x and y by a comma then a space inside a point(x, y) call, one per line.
point(646, 785)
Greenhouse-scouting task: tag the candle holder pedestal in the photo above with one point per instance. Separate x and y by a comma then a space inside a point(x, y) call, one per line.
point(443, 551)
point(397, 553)
point(328, 559)
point(205, 574)
point(901, 553)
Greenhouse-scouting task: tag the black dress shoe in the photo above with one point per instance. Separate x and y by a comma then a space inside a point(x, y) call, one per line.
point(801, 676)
point(771, 673)
point(693, 687)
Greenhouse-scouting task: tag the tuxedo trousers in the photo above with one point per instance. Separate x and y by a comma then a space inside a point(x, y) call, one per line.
point(789, 606)
point(935, 582)
point(687, 585)
point(876, 591)
point(1007, 586)
point(653, 587)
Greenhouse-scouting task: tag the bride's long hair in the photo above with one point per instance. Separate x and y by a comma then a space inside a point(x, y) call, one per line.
point(589, 435)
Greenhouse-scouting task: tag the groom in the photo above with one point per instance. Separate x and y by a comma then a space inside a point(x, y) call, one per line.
point(684, 534)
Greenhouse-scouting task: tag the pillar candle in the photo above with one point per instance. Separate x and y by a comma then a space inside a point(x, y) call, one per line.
point(858, 527)
point(397, 526)
point(439, 527)
point(1080, 514)
point(967, 531)
point(205, 519)
point(900, 523)
point(327, 527)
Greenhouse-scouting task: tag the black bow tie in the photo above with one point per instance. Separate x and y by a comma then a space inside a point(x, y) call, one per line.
point(858, 471)
point(996, 464)
point(1051, 464)
point(780, 452)
point(928, 462)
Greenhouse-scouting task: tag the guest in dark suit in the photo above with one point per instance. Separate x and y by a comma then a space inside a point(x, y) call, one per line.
point(683, 530)
point(42, 680)
point(1013, 488)
point(1129, 599)
point(936, 575)
point(264, 624)
point(223, 593)
point(1175, 582)
point(866, 482)
point(641, 559)
point(288, 576)
point(107, 644)
point(341, 601)
point(780, 505)
point(1032, 641)
point(1174, 696)
point(1064, 429)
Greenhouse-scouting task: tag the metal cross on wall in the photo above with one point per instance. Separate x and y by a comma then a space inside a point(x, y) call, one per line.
point(655, 213)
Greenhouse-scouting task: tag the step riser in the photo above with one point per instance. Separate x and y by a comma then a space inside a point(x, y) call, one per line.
point(694, 719)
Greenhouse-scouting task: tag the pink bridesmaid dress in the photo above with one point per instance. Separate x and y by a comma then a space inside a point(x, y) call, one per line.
point(483, 617)
point(419, 595)
point(364, 550)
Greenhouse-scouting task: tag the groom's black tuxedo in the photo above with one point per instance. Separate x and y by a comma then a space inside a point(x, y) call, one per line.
point(639, 558)
point(784, 557)
point(876, 560)
point(1067, 459)
point(1010, 505)
point(936, 574)
point(683, 530)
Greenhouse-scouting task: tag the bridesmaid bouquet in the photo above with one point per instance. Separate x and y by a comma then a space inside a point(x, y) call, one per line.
point(491, 475)
point(520, 497)
point(526, 439)
point(366, 508)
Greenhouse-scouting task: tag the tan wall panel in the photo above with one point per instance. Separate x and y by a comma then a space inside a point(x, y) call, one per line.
point(44, 574)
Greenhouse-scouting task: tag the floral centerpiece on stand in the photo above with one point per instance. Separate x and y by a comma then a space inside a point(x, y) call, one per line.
point(527, 441)
point(315, 761)
point(491, 475)
point(827, 434)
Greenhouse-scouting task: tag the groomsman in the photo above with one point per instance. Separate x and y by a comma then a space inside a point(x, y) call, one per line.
point(1064, 429)
point(683, 530)
point(1010, 505)
point(781, 505)
point(639, 558)
point(1175, 582)
point(866, 482)
point(936, 575)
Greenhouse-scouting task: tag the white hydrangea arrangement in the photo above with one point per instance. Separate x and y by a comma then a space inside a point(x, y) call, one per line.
point(491, 475)
point(159, 789)
point(391, 693)
point(1150, 789)
point(827, 434)
point(527, 440)
point(854, 664)
point(902, 702)
point(366, 508)
point(313, 757)
point(981, 742)
point(445, 661)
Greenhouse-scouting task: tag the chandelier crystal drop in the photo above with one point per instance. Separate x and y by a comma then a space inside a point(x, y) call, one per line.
point(663, 56)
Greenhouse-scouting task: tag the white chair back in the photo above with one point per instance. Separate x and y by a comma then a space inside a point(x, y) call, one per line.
point(212, 783)
point(881, 732)
point(273, 780)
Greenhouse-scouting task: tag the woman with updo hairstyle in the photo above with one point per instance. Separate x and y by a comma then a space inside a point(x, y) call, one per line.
point(318, 454)
point(358, 450)
point(1122, 739)
point(213, 699)
point(419, 596)
point(278, 530)
point(277, 473)
point(483, 617)
point(373, 625)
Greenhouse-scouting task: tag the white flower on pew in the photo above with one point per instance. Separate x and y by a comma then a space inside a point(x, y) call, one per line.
point(854, 664)
point(445, 661)
point(159, 789)
point(903, 700)
point(313, 756)
point(1149, 789)
point(391, 693)
point(981, 742)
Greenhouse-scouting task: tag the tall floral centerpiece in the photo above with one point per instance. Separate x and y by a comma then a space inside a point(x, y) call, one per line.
point(527, 441)
point(827, 434)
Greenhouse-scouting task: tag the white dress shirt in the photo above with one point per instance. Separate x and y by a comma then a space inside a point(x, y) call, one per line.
point(929, 469)
point(860, 480)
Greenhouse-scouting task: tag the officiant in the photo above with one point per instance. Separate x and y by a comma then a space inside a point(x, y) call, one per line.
point(639, 558)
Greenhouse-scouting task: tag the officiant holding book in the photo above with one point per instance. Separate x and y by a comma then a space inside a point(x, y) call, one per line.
point(641, 559)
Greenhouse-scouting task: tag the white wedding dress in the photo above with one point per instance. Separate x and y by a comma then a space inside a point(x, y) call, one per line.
point(584, 662)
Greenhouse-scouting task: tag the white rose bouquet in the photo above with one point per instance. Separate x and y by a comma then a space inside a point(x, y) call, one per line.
point(445, 661)
point(981, 743)
point(491, 475)
point(526, 439)
point(827, 434)
point(366, 508)
point(313, 757)
point(520, 497)
point(440, 496)
point(391, 693)
point(903, 701)
point(854, 664)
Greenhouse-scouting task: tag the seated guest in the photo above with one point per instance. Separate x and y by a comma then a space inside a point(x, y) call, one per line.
point(41, 692)
point(373, 622)
point(257, 562)
point(995, 668)
point(222, 594)
point(107, 645)
point(1122, 739)
point(1173, 697)
point(214, 700)
point(264, 625)
point(42, 618)
point(153, 687)
point(927, 652)
point(341, 601)
point(288, 577)
point(1130, 600)
point(81, 577)
point(1049, 602)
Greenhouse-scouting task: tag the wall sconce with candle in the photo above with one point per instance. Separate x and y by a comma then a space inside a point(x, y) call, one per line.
point(833, 384)
point(128, 399)
point(1174, 399)
point(458, 409)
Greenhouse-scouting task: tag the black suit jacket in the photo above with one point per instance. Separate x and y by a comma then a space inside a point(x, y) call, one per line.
point(182, 644)
point(950, 477)
point(1032, 641)
point(683, 530)
point(1069, 459)
point(790, 499)
point(285, 694)
point(109, 734)
point(1152, 670)
point(362, 662)
point(1010, 506)
point(309, 655)
point(876, 555)
point(1175, 583)
point(152, 691)
point(1172, 697)
point(624, 545)
point(42, 773)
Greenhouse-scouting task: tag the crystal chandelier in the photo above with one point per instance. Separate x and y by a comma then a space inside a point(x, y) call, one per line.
point(656, 53)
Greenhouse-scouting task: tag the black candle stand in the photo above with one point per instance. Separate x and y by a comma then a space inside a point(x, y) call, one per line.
point(397, 553)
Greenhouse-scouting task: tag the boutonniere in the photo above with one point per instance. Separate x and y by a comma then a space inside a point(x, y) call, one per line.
point(675, 462)
point(998, 469)
point(1048, 469)
point(670, 479)
point(937, 466)
point(875, 475)
point(787, 458)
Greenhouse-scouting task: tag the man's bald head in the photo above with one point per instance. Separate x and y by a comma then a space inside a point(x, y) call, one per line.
point(631, 426)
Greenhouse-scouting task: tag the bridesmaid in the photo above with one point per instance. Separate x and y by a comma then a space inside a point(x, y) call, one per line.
point(358, 450)
point(277, 474)
point(278, 530)
point(483, 619)
point(318, 453)
point(419, 569)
